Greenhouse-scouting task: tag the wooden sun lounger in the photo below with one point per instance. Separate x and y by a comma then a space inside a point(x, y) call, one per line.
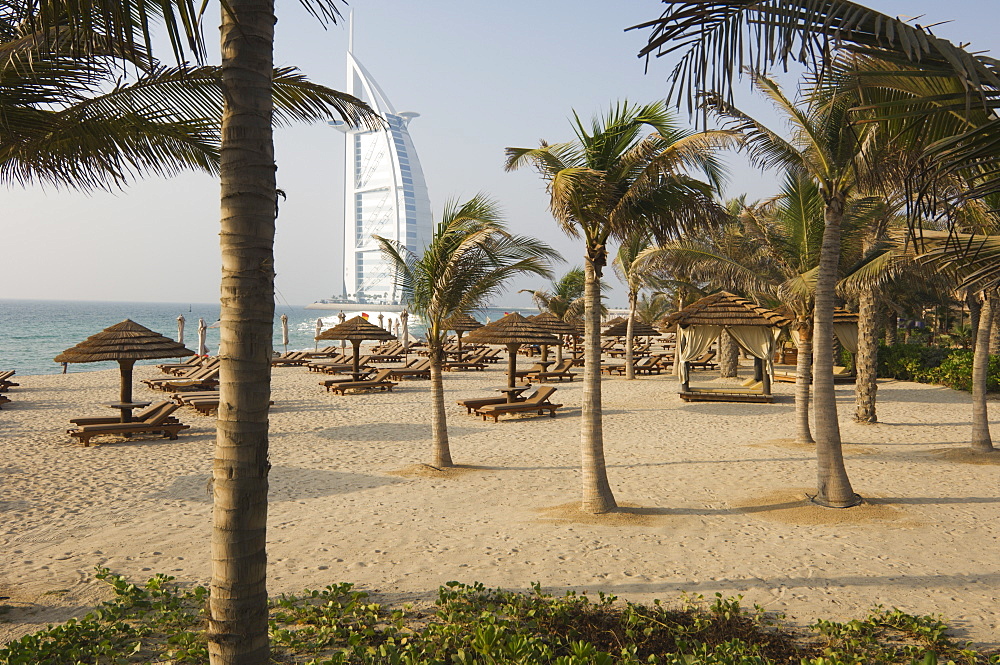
point(181, 367)
point(475, 362)
point(704, 362)
point(207, 379)
point(557, 373)
point(538, 402)
point(417, 368)
point(5, 381)
point(474, 404)
point(378, 382)
point(367, 374)
point(4, 400)
point(141, 416)
point(158, 420)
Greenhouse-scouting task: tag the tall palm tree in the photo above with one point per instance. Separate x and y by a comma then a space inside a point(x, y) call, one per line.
point(611, 181)
point(468, 262)
point(237, 608)
point(831, 151)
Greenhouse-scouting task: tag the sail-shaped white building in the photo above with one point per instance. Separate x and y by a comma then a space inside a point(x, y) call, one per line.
point(385, 192)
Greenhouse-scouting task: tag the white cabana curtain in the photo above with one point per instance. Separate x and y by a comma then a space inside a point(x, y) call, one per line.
point(847, 333)
point(758, 341)
point(691, 343)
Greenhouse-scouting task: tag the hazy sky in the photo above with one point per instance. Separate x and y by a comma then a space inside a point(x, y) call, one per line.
point(483, 76)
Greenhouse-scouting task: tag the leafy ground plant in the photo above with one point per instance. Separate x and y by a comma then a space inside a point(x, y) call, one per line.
point(158, 622)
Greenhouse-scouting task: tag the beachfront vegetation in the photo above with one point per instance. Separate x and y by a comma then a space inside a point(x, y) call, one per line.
point(473, 625)
point(613, 181)
point(467, 264)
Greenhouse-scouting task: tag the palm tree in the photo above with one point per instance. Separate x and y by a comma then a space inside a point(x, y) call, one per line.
point(467, 263)
point(237, 608)
point(610, 182)
point(565, 297)
point(829, 150)
point(632, 268)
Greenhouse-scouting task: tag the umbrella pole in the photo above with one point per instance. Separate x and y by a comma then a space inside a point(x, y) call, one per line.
point(511, 368)
point(459, 333)
point(125, 395)
point(356, 343)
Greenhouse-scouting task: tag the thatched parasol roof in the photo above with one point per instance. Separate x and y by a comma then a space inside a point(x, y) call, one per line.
point(639, 329)
point(461, 323)
point(613, 322)
point(512, 329)
point(356, 329)
point(124, 341)
point(725, 309)
point(843, 316)
point(552, 324)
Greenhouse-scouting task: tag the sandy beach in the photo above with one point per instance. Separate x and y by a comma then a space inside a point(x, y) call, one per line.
point(714, 494)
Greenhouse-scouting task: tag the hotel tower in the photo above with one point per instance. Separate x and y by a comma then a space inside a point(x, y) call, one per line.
point(384, 191)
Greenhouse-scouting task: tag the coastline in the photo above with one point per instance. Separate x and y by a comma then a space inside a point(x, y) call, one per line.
point(715, 494)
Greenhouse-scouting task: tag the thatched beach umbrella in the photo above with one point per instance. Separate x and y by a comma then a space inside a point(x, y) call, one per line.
point(461, 323)
point(180, 329)
point(511, 331)
point(124, 342)
point(284, 331)
point(639, 329)
point(355, 331)
point(553, 325)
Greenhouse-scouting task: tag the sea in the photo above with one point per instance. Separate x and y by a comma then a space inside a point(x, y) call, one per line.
point(33, 332)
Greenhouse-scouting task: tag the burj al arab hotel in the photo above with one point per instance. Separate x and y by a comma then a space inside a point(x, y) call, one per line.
point(384, 192)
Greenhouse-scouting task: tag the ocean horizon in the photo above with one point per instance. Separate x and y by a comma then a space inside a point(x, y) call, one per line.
point(33, 332)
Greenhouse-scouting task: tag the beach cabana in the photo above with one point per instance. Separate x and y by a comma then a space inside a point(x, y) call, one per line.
point(512, 331)
point(124, 343)
point(355, 331)
point(754, 328)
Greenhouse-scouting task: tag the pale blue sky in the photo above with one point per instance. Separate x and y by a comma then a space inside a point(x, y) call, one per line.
point(483, 76)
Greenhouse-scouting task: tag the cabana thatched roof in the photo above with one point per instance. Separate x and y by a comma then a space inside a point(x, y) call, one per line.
point(639, 329)
point(725, 309)
point(462, 323)
point(356, 329)
point(613, 322)
point(843, 316)
point(124, 341)
point(552, 324)
point(512, 329)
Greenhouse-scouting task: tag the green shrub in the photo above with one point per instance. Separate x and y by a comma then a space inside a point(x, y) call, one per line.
point(927, 364)
point(473, 625)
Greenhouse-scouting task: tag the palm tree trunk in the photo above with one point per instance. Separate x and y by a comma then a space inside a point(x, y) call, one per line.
point(803, 382)
point(891, 327)
point(729, 356)
point(833, 486)
point(439, 423)
point(981, 440)
point(629, 339)
point(237, 607)
point(975, 309)
point(597, 495)
point(866, 359)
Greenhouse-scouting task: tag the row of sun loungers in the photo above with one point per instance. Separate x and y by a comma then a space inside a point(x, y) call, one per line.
point(157, 418)
point(202, 378)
